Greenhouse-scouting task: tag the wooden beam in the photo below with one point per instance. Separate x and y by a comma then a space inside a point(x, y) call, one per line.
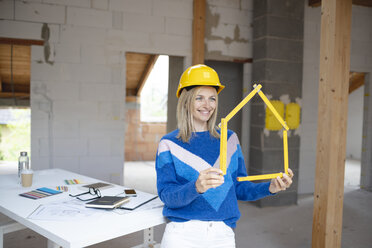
point(16, 94)
point(365, 3)
point(150, 64)
point(23, 42)
point(135, 99)
point(242, 61)
point(315, 3)
point(198, 29)
point(332, 121)
point(20, 62)
point(356, 80)
point(130, 92)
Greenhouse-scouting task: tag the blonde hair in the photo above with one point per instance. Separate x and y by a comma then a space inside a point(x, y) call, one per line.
point(185, 121)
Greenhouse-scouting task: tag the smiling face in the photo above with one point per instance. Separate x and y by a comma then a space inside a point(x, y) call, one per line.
point(204, 104)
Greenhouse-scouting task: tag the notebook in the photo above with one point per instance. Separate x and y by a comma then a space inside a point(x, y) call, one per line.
point(108, 202)
point(99, 185)
point(141, 199)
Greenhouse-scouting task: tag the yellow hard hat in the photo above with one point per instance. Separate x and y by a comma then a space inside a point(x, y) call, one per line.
point(198, 75)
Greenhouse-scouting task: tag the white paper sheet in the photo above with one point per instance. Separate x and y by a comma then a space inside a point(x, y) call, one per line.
point(72, 210)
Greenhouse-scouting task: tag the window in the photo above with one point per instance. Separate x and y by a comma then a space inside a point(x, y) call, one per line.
point(14, 133)
point(154, 94)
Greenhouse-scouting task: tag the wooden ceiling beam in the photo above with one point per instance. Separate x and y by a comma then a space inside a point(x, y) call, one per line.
point(146, 72)
point(23, 42)
point(198, 32)
point(365, 3)
point(315, 3)
point(243, 61)
point(21, 88)
point(15, 95)
point(15, 64)
point(130, 92)
point(356, 80)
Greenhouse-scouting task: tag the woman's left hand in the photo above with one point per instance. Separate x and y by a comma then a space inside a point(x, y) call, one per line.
point(279, 184)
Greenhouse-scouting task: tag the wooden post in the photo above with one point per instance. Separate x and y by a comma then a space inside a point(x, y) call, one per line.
point(332, 121)
point(198, 28)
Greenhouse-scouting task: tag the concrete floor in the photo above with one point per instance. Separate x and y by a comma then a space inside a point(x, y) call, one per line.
point(279, 227)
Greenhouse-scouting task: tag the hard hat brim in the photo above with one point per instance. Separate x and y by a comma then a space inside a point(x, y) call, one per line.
point(219, 88)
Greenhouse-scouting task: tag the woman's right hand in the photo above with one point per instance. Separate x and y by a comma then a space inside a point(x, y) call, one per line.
point(209, 178)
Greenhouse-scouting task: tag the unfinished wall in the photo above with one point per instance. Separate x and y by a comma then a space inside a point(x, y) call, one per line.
point(141, 138)
point(78, 79)
point(277, 66)
point(229, 37)
point(228, 30)
point(361, 61)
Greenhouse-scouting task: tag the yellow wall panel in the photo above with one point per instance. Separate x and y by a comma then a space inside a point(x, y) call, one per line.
point(271, 122)
point(292, 115)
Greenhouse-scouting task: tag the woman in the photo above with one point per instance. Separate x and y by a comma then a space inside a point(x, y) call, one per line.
point(201, 203)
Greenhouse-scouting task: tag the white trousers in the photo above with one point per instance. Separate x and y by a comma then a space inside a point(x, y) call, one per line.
point(195, 234)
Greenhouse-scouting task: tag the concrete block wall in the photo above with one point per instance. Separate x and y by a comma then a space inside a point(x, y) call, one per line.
point(277, 66)
point(228, 30)
point(361, 54)
point(229, 37)
point(78, 95)
point(141, 138)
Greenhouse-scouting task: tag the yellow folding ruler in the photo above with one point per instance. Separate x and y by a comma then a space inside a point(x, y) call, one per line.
point(223, 145)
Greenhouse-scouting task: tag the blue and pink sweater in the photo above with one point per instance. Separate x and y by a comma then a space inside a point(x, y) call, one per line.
point(178, 165)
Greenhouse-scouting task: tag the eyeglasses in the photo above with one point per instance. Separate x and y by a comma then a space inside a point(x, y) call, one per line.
point(91, 191)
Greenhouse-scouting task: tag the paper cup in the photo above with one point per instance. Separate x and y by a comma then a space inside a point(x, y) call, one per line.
point(26, 176)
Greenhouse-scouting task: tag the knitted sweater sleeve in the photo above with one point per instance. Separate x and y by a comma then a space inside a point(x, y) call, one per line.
point(174, 191)
point(246, 190)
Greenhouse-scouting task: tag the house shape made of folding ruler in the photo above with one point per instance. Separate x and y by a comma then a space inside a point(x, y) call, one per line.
point(223, 143)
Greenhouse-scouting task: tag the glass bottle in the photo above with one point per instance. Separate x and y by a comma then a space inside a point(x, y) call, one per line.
point(23, 163)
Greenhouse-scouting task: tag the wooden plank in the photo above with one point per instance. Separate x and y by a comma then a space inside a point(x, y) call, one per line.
point(134, 58)
point(130, 92)
point(198, 29)
point(23, 42)
point(133, 99)
point(332, 121)
point(150, 64)
point(366, 3)
point(242, 61)
point(21, 63)
point(135, 65)
point(16, 94)
point(315, 3)
point(356, 80)
point(21, 88)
